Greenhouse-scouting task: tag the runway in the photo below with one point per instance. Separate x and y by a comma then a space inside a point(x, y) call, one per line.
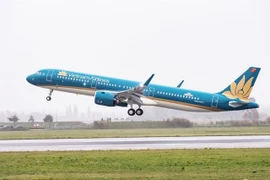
point(136, 143)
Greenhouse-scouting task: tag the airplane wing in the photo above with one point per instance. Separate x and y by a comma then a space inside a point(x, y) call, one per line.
point(180, 84)
point(134, 94)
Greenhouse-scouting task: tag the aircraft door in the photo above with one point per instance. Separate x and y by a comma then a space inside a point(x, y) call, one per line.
point(214, 100)
point(151, 91)
point(49, 75)
point(94, 83)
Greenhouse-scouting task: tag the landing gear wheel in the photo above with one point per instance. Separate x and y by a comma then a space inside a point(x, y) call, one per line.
point(48, 98)
point(139, 112)
point(131, 112)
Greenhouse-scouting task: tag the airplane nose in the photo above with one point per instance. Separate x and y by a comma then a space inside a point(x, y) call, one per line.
point(29, 79)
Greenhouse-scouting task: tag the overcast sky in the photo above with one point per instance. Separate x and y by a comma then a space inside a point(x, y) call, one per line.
point(206, 43)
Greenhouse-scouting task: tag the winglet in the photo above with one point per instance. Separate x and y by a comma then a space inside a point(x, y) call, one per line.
point(179, 85)
point(149, 80)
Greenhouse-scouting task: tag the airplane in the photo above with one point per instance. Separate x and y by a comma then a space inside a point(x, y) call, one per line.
point(108, 91)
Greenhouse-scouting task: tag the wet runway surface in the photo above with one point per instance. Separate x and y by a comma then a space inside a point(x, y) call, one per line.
point(136, 143)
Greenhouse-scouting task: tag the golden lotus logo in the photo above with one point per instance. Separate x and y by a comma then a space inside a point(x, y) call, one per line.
point(62, 73)
point(241, 90)
point(253, 70)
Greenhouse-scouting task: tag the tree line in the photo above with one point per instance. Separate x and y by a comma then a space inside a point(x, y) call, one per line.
point(47, 119)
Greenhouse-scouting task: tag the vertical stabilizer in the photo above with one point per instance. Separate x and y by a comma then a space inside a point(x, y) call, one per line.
point(242, 86)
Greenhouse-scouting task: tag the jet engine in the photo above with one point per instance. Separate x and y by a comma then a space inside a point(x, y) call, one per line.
point(107, 99)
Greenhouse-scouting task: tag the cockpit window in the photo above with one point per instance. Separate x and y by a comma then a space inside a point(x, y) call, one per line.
point(38, 73)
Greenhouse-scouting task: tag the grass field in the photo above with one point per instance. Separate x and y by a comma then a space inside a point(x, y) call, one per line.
point(98, 133)
point(205, 164)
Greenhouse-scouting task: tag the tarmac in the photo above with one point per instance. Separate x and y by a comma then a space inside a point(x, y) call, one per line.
point(199, 142)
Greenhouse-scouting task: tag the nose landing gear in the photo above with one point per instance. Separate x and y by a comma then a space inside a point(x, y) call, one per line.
point(48, 98)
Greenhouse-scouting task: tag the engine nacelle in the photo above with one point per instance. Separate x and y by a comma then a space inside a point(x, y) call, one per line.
point(107, 99)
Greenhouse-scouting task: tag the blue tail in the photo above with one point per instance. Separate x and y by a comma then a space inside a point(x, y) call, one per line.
point(242, 86)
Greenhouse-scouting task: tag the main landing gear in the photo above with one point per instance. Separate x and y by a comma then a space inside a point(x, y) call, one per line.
point(48, 98)
point(132, 112)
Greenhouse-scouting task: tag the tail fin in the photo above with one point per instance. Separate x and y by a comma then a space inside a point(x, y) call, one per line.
point(242, 86)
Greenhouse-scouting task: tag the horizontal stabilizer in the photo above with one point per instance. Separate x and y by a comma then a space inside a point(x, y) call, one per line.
point(236, 104)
